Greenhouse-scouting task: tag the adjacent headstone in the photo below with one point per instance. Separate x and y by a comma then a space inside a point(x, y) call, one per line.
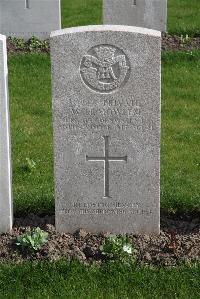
point(106, 111)
point(27, 18)
point(5, 161)
point(142, 13)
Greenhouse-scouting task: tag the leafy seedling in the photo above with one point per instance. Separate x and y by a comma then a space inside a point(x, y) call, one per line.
point(32, 240)
point(117, 248)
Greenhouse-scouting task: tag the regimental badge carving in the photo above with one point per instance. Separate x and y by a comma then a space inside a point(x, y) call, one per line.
point(105, 68)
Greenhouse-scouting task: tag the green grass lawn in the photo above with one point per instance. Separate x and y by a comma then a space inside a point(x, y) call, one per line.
point(30, 98)
point(183, 15)
point(81, 12)
point(180, 166)
point(111, 281)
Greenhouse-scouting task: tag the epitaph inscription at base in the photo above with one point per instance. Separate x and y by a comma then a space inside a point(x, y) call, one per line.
point(106, 115)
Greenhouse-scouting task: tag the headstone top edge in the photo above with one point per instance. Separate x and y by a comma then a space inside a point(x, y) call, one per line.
point(2, 37)
point(114, 28)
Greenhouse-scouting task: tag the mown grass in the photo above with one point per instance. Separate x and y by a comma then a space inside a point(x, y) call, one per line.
point(180, 167)
point(31, 123)
point(74, 281)
point(81, 12)
point(183, 15)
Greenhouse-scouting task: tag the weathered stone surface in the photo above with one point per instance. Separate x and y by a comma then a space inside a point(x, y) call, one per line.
point(142, 13)
point(5, 161)
point(106, 114)
point(27, 18)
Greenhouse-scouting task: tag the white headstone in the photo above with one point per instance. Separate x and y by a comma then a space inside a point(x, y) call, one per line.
point(27, 18)
point(142, 13)
point(5, 160)
point(106, 110)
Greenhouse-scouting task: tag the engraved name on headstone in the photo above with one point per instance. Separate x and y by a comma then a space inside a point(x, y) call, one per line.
point(5, 160)
point(142, 13)
point(106, 115)
point(27, 18)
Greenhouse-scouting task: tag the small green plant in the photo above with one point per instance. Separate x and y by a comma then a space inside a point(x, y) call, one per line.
point(185, 40)
point(29, 166)
point(18, 43)
point(35, 44)
point(117, 248)
point(32, 240)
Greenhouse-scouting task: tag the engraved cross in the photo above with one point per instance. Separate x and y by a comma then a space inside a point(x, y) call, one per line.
point(106, 159)
point(27, 4)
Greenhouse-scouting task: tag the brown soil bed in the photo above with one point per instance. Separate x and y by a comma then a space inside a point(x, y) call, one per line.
point(169, 43)
point(177, 43)
point(178, 242)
